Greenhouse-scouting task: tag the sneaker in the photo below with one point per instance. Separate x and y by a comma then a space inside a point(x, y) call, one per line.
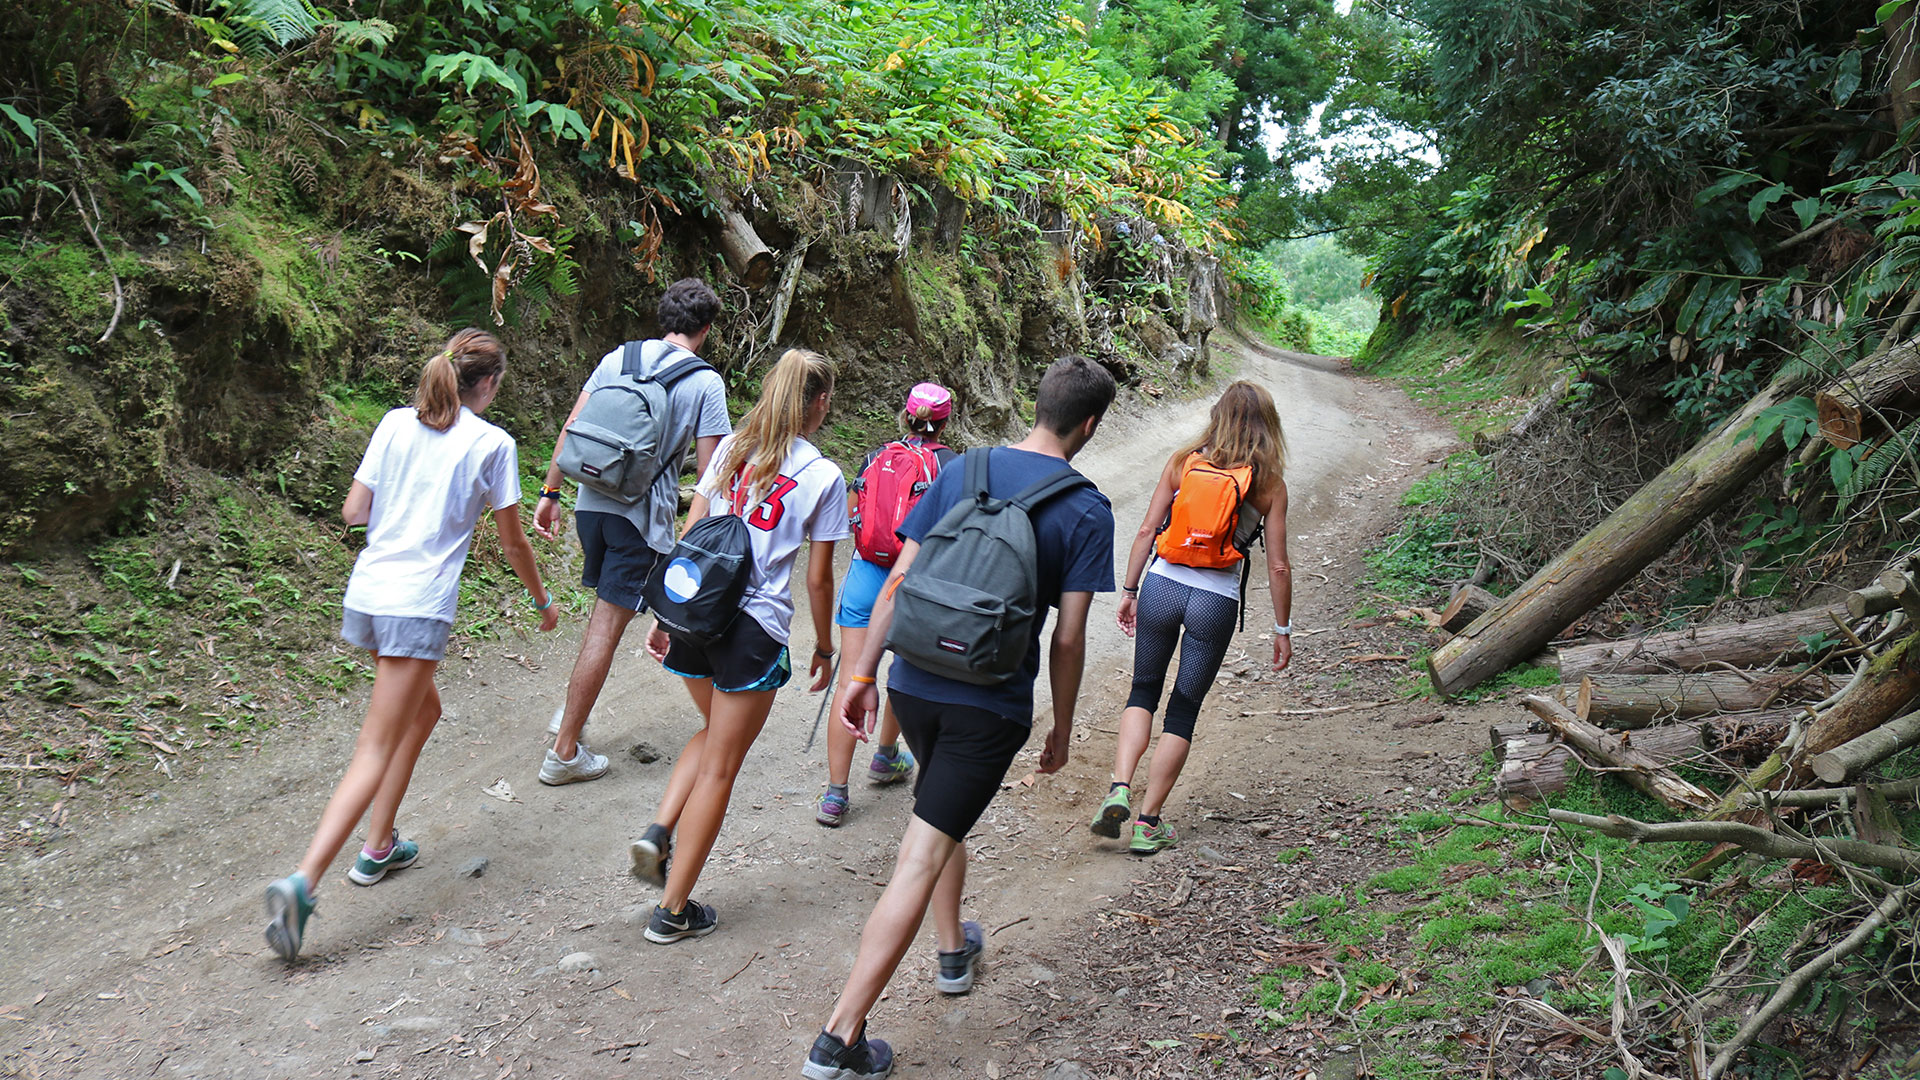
point(651, 854)
point(289, 902)
point(1112, 814)
point(694, 920)
point(1148, 839)
point(400, 854)
point(958, 967)
point(831, 1059)
point(586, 765)
point(831, 810)
point(890, 768)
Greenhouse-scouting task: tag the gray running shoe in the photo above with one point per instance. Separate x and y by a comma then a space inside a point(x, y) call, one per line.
point(586, 765)
point(957, 968)
point(651, 855)
point(694, 920)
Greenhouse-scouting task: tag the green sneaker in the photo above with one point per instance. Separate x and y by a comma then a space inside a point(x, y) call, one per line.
point(1149, 839)
point(1112, 814)
point(289, 902)
point(400, 854)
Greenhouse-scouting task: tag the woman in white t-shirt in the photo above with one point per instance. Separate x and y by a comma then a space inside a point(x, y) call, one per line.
point(789, 494)
point(429, 473)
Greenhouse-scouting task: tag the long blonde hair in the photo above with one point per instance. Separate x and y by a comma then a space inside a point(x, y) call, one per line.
point(1244, 429)
point(769, 428)
point(470, 357)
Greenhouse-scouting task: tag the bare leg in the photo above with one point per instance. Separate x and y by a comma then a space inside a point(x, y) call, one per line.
point(393, 785)
point(840, 741)
point(924, 856)
point(946, 900)
point(1136, 725)
point(604, 629)
point(732, 725)
point(1168, 759)
point(889, 725)
point(400, 686)
point(687, 769)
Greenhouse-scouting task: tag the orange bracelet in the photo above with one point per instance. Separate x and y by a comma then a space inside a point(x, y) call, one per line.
point(864, 679)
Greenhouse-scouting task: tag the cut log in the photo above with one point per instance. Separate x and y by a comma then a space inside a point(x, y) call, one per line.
point(1848, 760)
point(1757, 643)
point(747, 255)
point(1469, 603)
point(1635, 701)
point(1904, 593)
point(1703, 480)
point(1862, 402)
point(1872, 600)
point(1615, 753)
point(783, 299)
point(1887, 688)
point(1506, 731)
point(1532, 766)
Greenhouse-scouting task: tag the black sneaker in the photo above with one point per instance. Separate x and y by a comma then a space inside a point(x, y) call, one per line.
point(957, 968)
point(831, 1059)
point(651, 855)
point(694, 920)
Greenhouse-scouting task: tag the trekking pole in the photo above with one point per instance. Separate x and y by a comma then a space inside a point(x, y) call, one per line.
point(833, 684)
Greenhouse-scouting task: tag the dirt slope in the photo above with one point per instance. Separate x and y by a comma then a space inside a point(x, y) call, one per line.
point(134, 948)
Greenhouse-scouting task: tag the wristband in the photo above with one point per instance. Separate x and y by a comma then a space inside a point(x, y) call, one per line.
point(539, 606)
point(824, 654)
point(1130, 590)
point(549, 493)
point(864, 680)
point(1283, 631)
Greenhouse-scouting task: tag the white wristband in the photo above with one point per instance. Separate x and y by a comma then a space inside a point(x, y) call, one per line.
point(1284, 631)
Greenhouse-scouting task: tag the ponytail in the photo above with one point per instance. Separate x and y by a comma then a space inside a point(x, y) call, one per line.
point(470, 358)
point(769, 428)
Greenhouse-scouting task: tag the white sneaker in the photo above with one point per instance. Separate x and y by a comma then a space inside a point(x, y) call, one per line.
point(586, 765)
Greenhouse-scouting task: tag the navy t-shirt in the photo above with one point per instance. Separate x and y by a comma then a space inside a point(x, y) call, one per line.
point(1074, 533)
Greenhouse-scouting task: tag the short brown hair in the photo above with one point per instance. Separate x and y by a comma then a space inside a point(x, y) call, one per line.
point(1073, 389)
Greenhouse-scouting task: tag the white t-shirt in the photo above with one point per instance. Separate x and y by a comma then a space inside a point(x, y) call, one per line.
point(429, 490)
point(1223, 580)
point(807, 501)
point(696, 408)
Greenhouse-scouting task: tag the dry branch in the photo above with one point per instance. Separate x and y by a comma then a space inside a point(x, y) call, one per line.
point(1631, 765)
point(1904, 790)
point(1751, 837)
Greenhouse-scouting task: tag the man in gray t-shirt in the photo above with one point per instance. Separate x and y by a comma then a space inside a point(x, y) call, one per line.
point(622, 541)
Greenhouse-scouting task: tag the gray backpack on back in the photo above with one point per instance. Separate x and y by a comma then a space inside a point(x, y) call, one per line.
point(966, 608)
point(617, 445)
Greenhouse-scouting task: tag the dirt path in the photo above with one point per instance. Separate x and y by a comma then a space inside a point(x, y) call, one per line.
point(134, 947)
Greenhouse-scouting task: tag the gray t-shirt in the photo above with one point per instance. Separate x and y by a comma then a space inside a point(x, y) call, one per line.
point(697, 408)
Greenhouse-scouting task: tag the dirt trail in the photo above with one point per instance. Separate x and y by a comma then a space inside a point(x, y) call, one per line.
point(134, 947)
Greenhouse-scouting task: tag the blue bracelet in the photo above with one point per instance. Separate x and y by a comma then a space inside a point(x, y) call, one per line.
point(545, 606)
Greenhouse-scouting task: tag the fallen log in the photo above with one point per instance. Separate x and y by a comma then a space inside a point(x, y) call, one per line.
point(1635, 701)
point(1859, 403)
point(1871, 600)
point(1635, 534)
point(1616, 753)
point(1889, 685)
point(1898, 791)
point(747, 255)
point(1855, 756)
point(1756, 643)
point(1757, 840)
point(1532, 766)
point(1901, 588)
point(1469, 603)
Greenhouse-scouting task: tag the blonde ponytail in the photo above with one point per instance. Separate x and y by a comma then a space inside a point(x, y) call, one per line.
point(470, 357)
point(769, 428)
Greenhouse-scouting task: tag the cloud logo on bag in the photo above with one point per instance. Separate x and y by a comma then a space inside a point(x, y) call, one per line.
point(682, 580)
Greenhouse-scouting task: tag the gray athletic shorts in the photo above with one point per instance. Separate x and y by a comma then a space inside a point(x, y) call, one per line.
point(396, 636)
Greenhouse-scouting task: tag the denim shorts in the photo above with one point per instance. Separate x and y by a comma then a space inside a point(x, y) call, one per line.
point(858, 592)
point(396, 635)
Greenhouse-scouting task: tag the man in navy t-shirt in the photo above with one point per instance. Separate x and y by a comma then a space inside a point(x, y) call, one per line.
point(964, 735)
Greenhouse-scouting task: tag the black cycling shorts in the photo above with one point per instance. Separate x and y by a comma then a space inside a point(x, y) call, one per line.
point(964, 753)
point(745, 659)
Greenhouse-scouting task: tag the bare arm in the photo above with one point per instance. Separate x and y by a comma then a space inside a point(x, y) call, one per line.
point(703, 448)
point(1157, 508)
point(860, 705)
point(358, 508)
point(820, 600)
point(513, 540)
point(547, 514)
point(1066, 664)
point(1280, 575)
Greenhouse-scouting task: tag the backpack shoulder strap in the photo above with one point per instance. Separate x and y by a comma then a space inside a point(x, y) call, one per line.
point(632, 355)
point(680, 369)
point(975, 478)
point(1058, 484)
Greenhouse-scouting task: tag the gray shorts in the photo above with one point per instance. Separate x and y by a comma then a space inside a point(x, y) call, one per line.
point(395, 635)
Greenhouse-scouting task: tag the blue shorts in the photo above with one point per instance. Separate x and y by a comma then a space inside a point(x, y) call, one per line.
point(858, 593)
point(617, 559)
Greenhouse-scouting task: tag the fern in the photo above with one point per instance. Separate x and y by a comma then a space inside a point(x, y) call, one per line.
point(260, 26)
point(1870, 474)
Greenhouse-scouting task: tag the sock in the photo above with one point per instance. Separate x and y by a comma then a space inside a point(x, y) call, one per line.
point(1151, 821)
point(1118, 784)
point(891, 750)
point(382, 853)
point(838, 789)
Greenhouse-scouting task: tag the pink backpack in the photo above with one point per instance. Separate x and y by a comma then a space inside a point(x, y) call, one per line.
point(887, 489)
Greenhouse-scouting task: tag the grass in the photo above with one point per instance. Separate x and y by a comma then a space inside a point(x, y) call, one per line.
point(1477, 384)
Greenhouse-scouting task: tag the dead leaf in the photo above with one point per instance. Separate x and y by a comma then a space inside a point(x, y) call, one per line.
point(501, 790)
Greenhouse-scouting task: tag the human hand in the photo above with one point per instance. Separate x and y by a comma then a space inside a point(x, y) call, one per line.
point(859, 708)
point(550, 618)
point(1129, 614)
point(822, 671)
point(1053, 754)
point(546, 519)
point(658, 643)
point(1282, 651)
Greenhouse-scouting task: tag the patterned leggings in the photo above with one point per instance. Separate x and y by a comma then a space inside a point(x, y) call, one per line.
point(1166, 607)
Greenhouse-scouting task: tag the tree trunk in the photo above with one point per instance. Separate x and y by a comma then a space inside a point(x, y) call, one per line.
point(1891, 683)
point(1616, 753)
point(1857, 407)
point(1754, 644)
point(1635, 701)
point(1870, 600)
point(747, 255)
point(1635, 534)
point(1469, 603)
point(1855, 756)
point(1531, 766)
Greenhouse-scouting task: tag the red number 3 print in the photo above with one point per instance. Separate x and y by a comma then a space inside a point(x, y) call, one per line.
point(767, 515)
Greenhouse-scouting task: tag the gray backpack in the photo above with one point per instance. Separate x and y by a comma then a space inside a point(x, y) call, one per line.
point(966, 608)
point(617, 445)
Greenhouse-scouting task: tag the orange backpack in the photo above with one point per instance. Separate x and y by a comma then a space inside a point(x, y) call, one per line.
point(1205, 515)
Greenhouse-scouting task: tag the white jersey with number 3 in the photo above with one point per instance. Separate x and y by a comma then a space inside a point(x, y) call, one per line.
point(807, 501)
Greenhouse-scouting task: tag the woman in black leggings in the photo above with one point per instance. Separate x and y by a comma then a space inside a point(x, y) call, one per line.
point(1243, 453)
